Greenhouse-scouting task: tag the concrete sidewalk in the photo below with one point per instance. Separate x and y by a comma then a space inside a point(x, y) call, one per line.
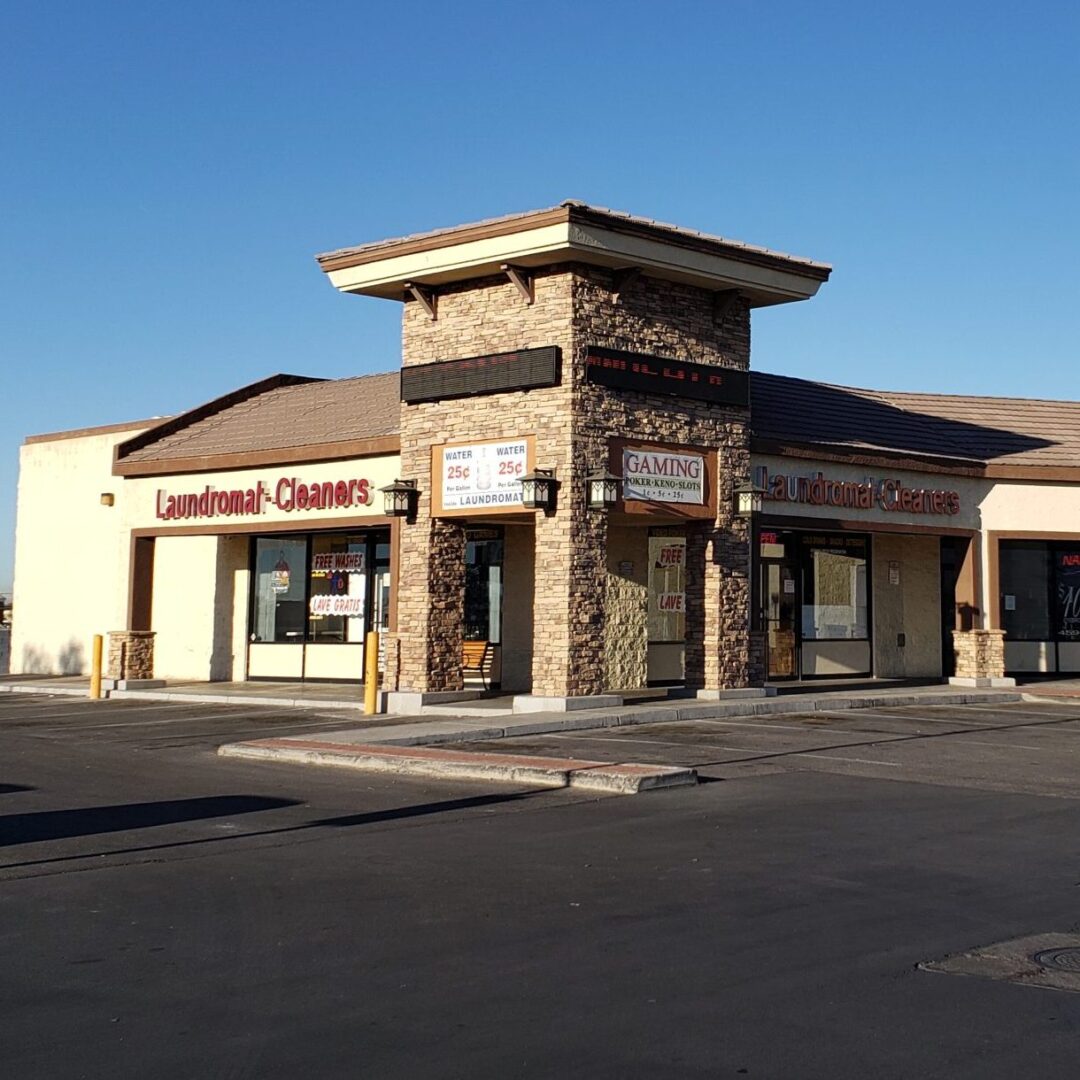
point(433, 731)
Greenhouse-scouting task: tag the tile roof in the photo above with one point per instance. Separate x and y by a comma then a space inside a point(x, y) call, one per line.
point(308, 414)
point(977, 430)
point(951, 429)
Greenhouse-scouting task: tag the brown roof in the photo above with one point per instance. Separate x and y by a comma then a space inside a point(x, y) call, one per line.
point(572, 210)
point(950, 427)
point(281, 413)
point(286, 414)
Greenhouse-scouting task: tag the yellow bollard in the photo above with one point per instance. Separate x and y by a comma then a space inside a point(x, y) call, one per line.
point(95, 670)
point(371, 673)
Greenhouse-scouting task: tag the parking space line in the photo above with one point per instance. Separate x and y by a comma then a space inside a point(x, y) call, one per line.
point(656, 742)
point(1011, 746)
point(77, 712)
point(857, 760)
point(914, 719)
point(1011, 710)
point(760, 726)
point(150, 722)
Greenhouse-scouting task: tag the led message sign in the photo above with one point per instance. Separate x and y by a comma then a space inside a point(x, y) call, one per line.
point(657, 375)
point(526, 369)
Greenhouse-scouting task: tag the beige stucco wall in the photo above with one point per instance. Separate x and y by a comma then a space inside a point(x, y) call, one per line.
point(1017, 506)
point(71, 553)
point(200, 607)
point(911, 608)
point(1044, 509)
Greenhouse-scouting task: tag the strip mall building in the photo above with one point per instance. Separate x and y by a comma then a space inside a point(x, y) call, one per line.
point(898, 535)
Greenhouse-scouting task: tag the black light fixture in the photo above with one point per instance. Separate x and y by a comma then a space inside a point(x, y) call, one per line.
point(400, 498)
point(748, 499)
point(603, 490)
point(538, 490)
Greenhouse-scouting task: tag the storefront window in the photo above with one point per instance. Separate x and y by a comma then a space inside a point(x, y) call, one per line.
point(483, 585)
point(834, 591)
point(667, 589)
point(318, 588)
point(280, 578)
point(1025, 591)
point(1067, 613)
point(337, 596)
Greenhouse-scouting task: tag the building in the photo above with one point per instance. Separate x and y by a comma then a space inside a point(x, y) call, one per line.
point(898, 535)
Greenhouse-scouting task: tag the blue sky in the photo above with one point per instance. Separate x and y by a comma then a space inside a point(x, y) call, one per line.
point(167, 172)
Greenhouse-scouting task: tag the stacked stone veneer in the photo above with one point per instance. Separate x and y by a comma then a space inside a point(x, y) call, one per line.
point(574, 307)
point(678, 321)
point(131, 654)
point(980, 654)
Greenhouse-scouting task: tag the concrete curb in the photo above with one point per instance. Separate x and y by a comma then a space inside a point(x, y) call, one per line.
point(53, 691)
point(441, 733)
point(620, 779)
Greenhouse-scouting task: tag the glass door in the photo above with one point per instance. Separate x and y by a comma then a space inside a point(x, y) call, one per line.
point(778, 585)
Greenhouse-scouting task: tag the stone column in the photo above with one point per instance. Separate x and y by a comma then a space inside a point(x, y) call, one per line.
point(569, 592)
point(722, 653)
point(430, 611)
point(980, 658)
point(131, 654)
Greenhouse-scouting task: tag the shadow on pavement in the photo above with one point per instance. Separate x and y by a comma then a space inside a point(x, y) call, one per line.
point(7, 789)
point(350, 821)
point(58, 824)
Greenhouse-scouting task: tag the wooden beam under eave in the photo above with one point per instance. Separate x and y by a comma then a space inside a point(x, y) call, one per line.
point(521, 278)
point(425, 296)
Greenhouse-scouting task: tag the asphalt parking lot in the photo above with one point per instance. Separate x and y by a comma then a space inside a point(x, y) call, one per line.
point(167, 912)
point(1032, 748)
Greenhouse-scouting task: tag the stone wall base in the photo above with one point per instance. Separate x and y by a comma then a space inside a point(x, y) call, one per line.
point(982, 683)
point(980, 654)
point(131, 654)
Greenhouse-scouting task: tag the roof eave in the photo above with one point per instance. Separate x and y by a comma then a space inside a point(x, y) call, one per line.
point(573, 234)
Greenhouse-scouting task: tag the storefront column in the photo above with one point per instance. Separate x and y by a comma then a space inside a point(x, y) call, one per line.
point(980, 658)
point(722, 653)
point(568, 612)
point(425, 654)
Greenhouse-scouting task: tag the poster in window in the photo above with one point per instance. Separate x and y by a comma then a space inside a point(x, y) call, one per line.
point(1068, 592)
point(279, 576)
point(667, 589)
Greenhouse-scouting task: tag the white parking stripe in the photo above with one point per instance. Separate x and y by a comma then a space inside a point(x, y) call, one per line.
point(856, 760)
point(856, 713)
point(765, 726)
point(655, 742)
point(1012, 710)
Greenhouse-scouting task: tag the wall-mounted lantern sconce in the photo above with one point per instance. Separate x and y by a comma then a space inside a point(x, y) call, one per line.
point(748, 499)
point(538, 490)
point(603, 491)
point(107, 498)
point(400, 498)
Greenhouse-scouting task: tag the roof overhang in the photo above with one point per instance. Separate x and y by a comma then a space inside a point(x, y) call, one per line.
point(573, 233)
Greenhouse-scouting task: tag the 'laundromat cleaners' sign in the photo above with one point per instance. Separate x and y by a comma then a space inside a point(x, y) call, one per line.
point(653, 476)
